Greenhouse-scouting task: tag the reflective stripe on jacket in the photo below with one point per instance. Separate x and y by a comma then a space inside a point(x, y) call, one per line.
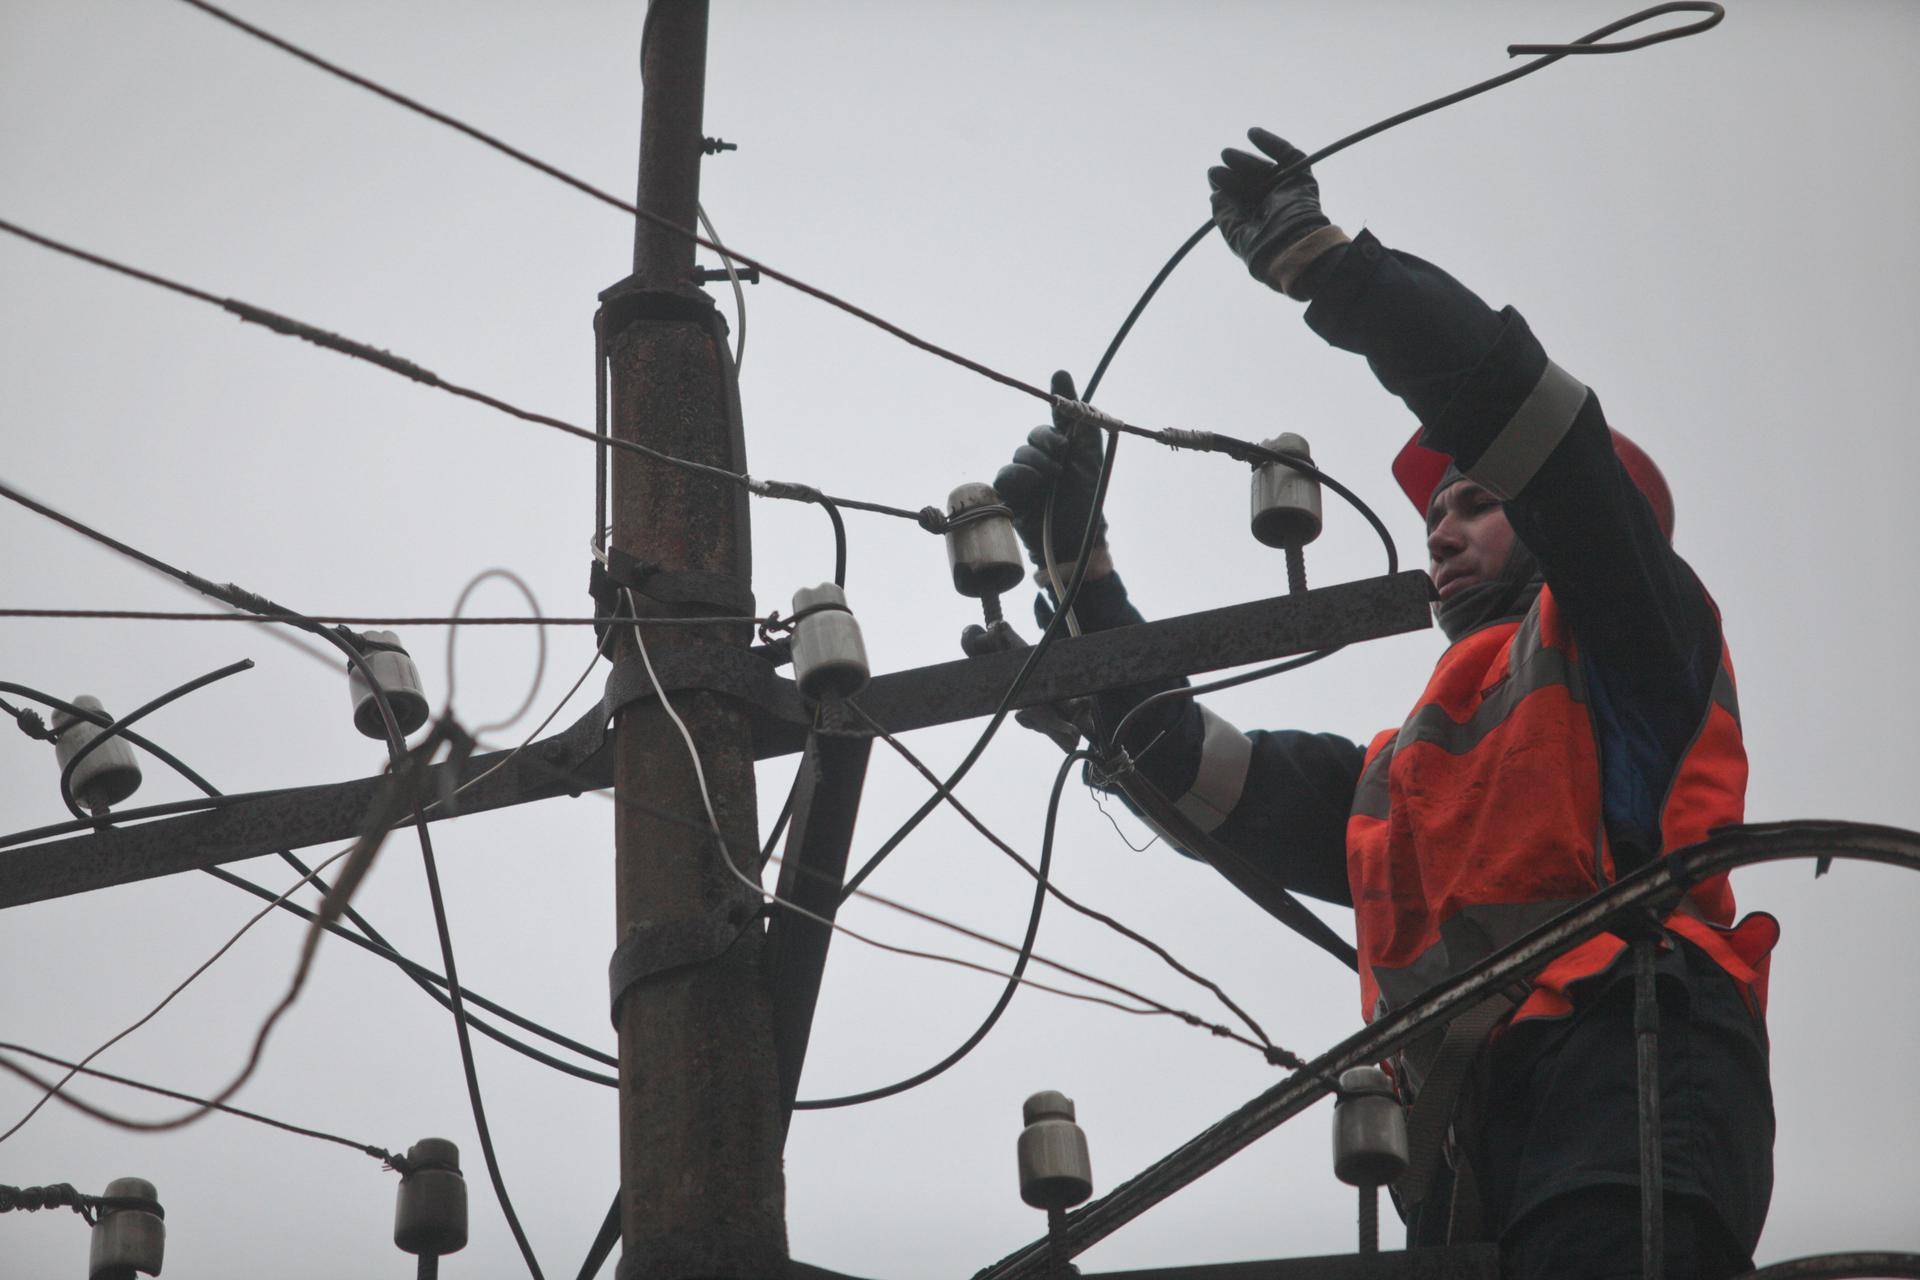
point(1481, 818)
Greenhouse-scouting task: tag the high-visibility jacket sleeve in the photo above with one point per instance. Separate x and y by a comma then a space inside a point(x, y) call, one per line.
point(1487, 395)
point(1280, 798)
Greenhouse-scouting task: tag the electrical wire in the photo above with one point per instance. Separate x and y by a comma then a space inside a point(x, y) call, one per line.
point(1060, 895)
point(1027, 667)
point(1553, 53)
point(1214, 686)
point(361, 854)
point(540, 631)
point(739, 294)
point(366, 620)
point(552, 171)
point(369, 939)
point(980, 1032)
point(151, 1126)
point(1015, 978)
point(929, 518)
point(365, 1148)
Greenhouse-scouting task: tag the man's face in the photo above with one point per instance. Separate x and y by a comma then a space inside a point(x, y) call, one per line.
point(1468, 537)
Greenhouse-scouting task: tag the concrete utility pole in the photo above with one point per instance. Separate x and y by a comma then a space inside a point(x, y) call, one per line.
point(702, 1189)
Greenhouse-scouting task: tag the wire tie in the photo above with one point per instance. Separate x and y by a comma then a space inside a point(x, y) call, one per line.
point(32, 725)
point(1081, 411)
point(933, 520)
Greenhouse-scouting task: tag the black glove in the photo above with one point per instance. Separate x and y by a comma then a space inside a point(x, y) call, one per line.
point(1262, 222)
point(1064, 458)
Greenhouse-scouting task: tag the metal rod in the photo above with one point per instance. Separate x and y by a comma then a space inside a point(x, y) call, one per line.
point(1369, 1219)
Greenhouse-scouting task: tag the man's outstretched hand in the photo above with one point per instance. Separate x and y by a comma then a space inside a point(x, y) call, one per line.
point(1276, 229)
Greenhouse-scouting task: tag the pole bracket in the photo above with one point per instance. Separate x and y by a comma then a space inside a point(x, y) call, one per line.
point(654, 947)
point(740, 674)
point(718, 593)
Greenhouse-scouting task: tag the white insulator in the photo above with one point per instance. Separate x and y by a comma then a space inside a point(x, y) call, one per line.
point(1286, 503)
point(126, 1241)
point(395, 672)
point(430, 1216)
point(984, 553)
point(1055, 1172)
point(1369, 1129)
point(829, 657)
point(109, 774)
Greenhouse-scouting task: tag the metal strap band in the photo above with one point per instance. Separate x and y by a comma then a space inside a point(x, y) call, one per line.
point(1536, 427)
point(656, 947)
point(1225, 756)
point(721, 592)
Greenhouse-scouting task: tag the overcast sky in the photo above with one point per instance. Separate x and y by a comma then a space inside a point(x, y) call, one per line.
point(1716, 234)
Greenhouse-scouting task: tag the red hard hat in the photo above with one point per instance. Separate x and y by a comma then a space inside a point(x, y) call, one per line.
point(1419, 470)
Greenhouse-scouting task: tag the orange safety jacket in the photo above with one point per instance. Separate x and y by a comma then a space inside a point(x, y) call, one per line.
point(1480, 819)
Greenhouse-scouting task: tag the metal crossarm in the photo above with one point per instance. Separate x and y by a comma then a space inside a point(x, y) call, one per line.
point(576, 759)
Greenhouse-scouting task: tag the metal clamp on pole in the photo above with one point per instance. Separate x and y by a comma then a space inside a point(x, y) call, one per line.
point(657, 947)
point(719, 593)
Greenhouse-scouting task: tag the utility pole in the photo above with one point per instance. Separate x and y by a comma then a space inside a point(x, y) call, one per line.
point(702, 1189)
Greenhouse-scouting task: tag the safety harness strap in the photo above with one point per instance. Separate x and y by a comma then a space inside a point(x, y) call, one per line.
point(1438, 1099)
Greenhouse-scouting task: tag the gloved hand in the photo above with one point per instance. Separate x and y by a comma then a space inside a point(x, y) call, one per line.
point(1276, 230)
point(1063, 457)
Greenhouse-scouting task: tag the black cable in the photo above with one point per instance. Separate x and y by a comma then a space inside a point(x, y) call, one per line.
point(375, 944)
point(839, 542)
point(378, 1153)
point(1214, 686)
point(1060, 895)
point(1585, 44)
point(200, 804)
point(372, 941)
point(1020, 678)
point(648, 215)
point(397, 752)
point(118, 727)
point(1006, 993)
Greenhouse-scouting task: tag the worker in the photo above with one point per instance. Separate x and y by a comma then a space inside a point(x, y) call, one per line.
point(1582, 721)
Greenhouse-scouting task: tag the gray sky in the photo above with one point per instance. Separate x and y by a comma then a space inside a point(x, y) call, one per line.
point(1715, 234)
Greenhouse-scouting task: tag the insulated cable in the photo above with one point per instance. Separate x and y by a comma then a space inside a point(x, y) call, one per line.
point(1551, 54)
point(1046, 882)
point(713, 828)
point(929, 518)
point(980, 1032)
point(369, 939)
point(1213, 686)
point(579, 184)
point(362, 852)
point(540, 632)
point(378, 1153)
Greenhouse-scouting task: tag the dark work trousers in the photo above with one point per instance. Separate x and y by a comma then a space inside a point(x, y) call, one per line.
point(1557, 1158)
